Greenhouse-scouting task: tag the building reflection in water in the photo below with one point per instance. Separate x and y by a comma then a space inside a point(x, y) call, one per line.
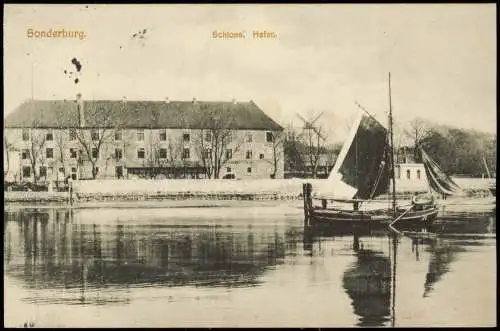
point(60, 259)
point(86, 260)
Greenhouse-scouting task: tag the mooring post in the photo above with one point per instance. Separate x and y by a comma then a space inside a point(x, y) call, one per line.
point(306, 192)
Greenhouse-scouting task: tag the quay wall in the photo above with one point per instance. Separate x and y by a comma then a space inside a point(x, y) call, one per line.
point(182, 189)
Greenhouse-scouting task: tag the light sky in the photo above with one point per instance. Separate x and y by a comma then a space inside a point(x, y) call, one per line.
point(442, 58)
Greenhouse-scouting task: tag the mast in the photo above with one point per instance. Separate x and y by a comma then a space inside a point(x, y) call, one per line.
point(392, 150)
point(393, 279)
point(486, 166)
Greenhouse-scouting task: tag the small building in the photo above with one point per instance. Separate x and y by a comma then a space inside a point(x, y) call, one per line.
point(410, 176)
point(51, 140)
point(410, 172)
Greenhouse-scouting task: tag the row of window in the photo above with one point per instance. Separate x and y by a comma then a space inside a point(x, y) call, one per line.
point(43, 170)
point(95, 135)
point(141, 153)
point(249, 170)
point(408, 174)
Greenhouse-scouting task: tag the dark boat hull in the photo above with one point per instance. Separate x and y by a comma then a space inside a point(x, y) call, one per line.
point(336, 217)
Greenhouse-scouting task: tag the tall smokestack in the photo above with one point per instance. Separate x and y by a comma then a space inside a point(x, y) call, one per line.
point(81, 110)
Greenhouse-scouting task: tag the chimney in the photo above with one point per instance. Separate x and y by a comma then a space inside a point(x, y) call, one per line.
point(195, 101)
point(81, 110)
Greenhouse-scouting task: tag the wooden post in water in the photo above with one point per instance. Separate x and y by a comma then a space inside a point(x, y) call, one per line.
point(306, 193)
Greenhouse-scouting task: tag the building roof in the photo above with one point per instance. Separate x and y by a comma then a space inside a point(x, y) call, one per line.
point(141, 114)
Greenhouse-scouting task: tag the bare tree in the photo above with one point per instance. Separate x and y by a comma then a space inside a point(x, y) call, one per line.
point(215, 140)
point(175, 157)
point(277, 140)
point(8, 148)
point(418, 130)
point(92, 142)
point(156, 156)
point(314, 147)
point(313, 137)
point(61, 137)
point(292, 150)
point(36, 149)
point(215, 147)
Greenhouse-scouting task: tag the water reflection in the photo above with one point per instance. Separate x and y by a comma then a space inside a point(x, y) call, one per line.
point(370, 281)
point(368, 284)
point(58, 253)
point(61, 256)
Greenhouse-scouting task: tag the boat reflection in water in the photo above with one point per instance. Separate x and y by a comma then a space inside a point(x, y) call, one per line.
point(188, 267)
point(371, 280)
point(368, 283)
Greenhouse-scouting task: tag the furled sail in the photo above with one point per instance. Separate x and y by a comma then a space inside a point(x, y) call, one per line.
point(438, 180)
point(363, 162)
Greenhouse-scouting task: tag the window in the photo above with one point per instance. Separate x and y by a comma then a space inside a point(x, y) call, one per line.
point(43, 171)
point(185, 137)
point(249, 138)
point(408, 174)
point(49, 153)
point(118, 135)
point(228, 169)
point(398, 172)
point(249, 155)
point(208, 136)
point(26, 135)
point(207, 153)
point(25, 154)
point(94, 134)
point(72, 134)
point(163, 153)
point(140, 134)
point(418, 174)
point(72, 153)
point(26, 172)
point(249, 170)
point(72, 169)
point(261, 156)
point(163, 135)
point(185, 153)
point(118, 154)
point(49, 136)
point(95, 153)
point(141, 153)
point(269, 137)
point(229, 154)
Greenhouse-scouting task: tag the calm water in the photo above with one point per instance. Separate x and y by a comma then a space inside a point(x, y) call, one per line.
point(239, 267)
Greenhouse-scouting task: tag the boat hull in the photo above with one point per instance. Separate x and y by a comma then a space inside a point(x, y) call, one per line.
point(336, 217)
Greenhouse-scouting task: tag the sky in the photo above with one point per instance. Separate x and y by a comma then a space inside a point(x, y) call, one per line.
point(323, 59)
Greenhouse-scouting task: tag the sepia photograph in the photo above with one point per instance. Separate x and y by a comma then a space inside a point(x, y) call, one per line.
point(250, 165)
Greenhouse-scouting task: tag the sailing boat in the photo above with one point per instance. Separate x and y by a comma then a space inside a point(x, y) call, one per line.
point(365, 166)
